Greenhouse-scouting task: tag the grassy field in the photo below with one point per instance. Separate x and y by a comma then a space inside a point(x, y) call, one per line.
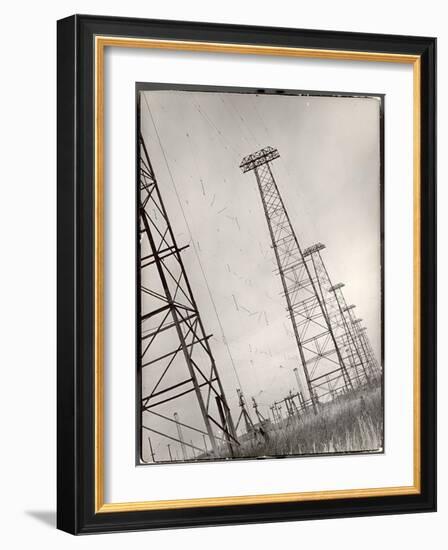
point(350, 423)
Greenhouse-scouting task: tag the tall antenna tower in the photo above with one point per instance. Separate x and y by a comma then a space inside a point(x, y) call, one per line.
point(324, 363)
point(177, 369)
point(346, 329)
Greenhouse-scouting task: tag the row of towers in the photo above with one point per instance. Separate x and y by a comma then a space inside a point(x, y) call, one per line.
point(335, 354)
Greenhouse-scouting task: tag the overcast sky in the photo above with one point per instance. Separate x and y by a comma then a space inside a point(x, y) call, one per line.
point(329, 176)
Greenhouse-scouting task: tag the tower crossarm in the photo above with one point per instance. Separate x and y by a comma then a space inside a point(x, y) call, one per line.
point(259, 158)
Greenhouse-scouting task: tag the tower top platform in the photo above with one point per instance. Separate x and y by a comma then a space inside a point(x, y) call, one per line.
point(257, 159)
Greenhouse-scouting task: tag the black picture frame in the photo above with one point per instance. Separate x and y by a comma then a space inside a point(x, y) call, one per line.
point(76, 511)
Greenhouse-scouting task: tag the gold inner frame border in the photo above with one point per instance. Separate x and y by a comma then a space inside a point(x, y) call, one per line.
point(100, 44)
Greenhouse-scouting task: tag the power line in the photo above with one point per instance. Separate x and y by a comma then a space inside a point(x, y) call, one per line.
point(225, 142)
point(244, 124)
point(192, 242)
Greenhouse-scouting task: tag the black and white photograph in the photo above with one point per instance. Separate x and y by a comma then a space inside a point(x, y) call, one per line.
point(259, 273)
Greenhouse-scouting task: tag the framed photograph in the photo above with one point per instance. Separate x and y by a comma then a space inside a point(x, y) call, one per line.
point(246, 274)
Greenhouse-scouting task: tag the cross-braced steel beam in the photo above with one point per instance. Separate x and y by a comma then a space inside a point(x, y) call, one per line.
point(177, 367)
point(358, 368)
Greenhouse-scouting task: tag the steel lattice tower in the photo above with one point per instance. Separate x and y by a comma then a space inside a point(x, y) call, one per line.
point(177, 368)
point(325, 365)
point(366, 347)
point(366, 365)
point(344, 330)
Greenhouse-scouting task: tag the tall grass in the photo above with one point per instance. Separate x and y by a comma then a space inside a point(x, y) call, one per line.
point(350, 423)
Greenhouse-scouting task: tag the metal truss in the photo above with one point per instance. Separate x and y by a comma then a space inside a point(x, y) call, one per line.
point(293, 405)
point(368, 365)
point(327, 350)
point(365, 346)
point(183, 404)
point(356, 364)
